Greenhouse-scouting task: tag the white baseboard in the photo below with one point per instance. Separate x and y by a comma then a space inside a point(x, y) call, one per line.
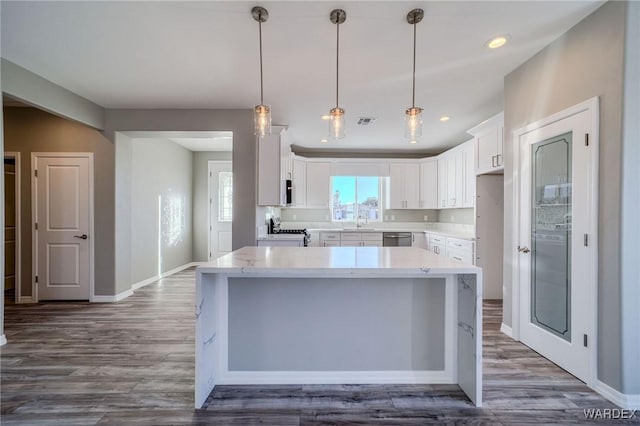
point(622, 400)
point(3, 340)
point(505, 329)
point(118, 297)
point(112, 299)
point(334, 377)
point(25, 299)
point(153, 279)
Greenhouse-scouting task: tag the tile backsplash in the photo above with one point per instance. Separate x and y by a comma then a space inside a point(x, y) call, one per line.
point(324, 215)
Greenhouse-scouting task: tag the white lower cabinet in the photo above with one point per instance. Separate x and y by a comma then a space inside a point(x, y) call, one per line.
point(454, 248)
point(281, 243)
point(351, 239)
point(419, 239)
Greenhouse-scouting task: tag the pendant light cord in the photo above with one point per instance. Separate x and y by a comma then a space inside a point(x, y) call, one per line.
point(337, 60)
point(413, 100)
point(260, 35)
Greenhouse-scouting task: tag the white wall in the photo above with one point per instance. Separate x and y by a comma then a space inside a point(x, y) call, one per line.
point(162, 194)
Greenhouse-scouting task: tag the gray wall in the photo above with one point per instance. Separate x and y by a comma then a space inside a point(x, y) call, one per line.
point(630, 233)
point(160, 207)
point(466, 216)
point(200, 201)
point(22, 84)
point(123, 212)
point(585, 62)
point(240, 122)
point(28, 130)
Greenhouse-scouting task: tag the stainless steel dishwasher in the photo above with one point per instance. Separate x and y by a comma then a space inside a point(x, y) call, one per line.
point(396, 239)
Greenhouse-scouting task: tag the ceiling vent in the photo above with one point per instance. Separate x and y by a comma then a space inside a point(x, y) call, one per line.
point(365, 121)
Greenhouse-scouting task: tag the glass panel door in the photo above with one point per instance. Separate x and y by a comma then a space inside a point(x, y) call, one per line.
point(551, 235)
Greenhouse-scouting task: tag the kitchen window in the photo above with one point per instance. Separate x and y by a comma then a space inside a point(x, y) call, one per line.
point(355, 198)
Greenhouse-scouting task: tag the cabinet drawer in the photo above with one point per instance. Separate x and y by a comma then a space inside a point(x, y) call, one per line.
point(372, 244)
point(330, 244)
point(437, 239)
point(460, 255)
point(350, 243)
point(372, 236)
point(330, 236)
point(350, 236)
point(458, 244)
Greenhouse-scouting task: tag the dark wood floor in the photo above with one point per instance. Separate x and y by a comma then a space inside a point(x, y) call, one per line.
point(133, 363)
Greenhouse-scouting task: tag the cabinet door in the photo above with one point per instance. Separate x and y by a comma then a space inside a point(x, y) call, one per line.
point(442, 182)
point(411, 186)
point(500, 146)
point(299, 181)
point(269, 182)
point(371, 244)
point(330, 244)
point(396, 186)
point(452, 179)
point(418, 239)
point(469, 179)
point(458, 198)
point(318, 177)
point(429, 184)
point(487, 145)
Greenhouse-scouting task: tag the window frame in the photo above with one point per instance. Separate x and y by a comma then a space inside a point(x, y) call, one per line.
point(381, 196)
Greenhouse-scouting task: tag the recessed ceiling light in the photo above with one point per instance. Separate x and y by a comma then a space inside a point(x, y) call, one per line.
point(325, 117)
point(445, 118)
point(413, 141)
point(496, 42)
point(323, 141)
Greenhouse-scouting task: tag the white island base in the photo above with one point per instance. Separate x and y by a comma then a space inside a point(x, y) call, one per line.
point(338, 315)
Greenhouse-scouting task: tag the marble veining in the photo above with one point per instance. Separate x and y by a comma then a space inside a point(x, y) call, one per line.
point(336, 259)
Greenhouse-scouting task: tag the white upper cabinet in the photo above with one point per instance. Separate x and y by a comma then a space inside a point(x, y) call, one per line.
point(273, 167)
point(299, 182)
point(469, 174)
point(429, 183)
point(318, 182)
point(454, 180)
point(404, 186)
point(442, 182)
point(489, 139)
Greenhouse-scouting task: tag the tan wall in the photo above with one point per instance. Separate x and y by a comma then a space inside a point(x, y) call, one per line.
point(28, 130)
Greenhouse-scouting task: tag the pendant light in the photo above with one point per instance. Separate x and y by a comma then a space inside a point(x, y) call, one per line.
point(413, 115)
point(262, 112)
point(336, 115)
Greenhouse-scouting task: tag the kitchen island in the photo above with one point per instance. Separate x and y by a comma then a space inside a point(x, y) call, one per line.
point(337, 315)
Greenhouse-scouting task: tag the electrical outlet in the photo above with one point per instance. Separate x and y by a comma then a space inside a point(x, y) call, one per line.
point(386, 217)
point(393, 217)
point(295, 217)
point(453, 219)
point(426, 218)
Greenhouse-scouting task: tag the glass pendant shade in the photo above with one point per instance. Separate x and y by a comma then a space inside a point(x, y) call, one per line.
point(336, 123)
point(413, 123)
point(262, 120)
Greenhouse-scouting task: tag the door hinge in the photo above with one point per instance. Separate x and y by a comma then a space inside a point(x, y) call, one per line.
point(36, 226)
point(586, 139)
point(586, 240)
point(35, 172)
point(36, 278)
point(584, 340)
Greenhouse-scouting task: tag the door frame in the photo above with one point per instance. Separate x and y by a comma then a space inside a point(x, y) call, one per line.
point(591, 106)
point(18, 280)
point(209, 204)
point(34, 211)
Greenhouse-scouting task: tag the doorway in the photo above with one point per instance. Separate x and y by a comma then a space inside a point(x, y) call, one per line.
point(557, 257)
point(62, 210)
point(12, 245)
point(220, 208)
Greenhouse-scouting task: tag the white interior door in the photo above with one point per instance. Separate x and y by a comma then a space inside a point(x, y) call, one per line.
point(555, 256)
point(63, 233)
point(220, 208)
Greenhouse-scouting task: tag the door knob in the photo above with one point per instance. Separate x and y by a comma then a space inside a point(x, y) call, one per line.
point(524, 249)
point(82, 237)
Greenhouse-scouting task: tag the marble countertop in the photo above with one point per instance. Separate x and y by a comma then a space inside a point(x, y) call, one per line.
point(281, 237)
point(446, 233)
point(335, 260)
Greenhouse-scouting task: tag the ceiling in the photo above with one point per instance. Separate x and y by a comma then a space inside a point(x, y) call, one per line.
point(130, 54)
